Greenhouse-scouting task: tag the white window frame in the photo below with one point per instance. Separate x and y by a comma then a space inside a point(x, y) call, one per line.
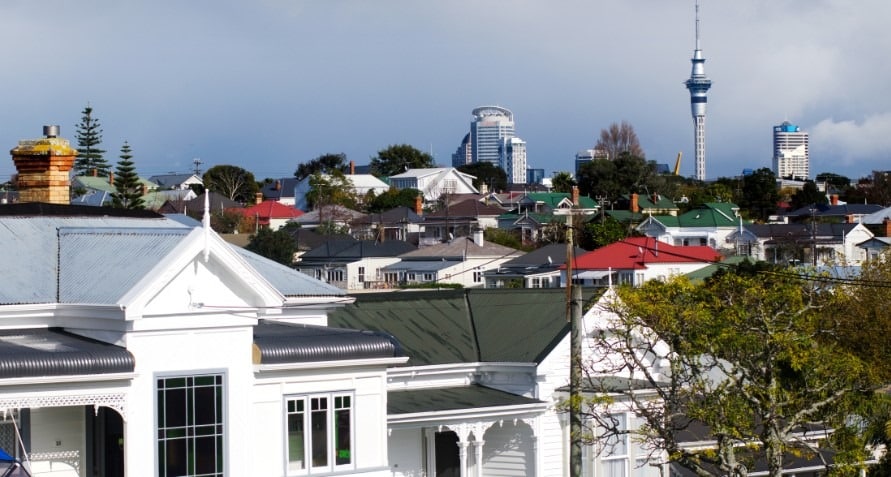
point(334, 399)
point(192, 431)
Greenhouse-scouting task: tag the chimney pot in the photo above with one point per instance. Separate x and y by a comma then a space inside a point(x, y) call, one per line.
point(259, 197)
point(833, 199)
point(635, 208)
point(575, 196)
point(51, 131)
point(352, 168)
point(419, 205)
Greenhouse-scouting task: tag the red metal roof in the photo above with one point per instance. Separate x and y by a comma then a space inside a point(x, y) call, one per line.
point(270, 209)
point(638, 252)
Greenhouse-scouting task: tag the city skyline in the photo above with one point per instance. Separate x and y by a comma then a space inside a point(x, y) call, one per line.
point(270, 84)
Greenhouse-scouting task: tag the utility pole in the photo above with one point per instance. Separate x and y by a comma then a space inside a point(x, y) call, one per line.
point(574, 317)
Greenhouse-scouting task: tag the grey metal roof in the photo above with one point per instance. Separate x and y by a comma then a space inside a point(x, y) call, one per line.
point(352, 250)
point(26, 353)
point(32, 246)
point(463, 326)
point(280, 343)
point(421, 265)
point(286, 280)
point(451, 399)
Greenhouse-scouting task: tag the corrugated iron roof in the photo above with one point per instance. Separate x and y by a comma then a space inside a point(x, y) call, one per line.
point(451, 399)
point(286, 280)
point(27, 353)
point(280, 343)
point(463, 326)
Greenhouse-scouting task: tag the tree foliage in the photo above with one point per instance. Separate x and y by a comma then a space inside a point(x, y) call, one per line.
point(808, 195)
point(331, 189)
point(877, 188)
point(398, 158)
point(618, 139)
point(486, 173)
point(562, 182)
point(231, 181)
point(325, 164)
point(751, 355)
point(89, 138)
point(128, 189)
point(760, 194)
point(276, 245)
point(598, 233)
point(393, 198)
point(625, 174)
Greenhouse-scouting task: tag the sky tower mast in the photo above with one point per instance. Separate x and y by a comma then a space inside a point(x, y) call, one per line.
point(698, 84)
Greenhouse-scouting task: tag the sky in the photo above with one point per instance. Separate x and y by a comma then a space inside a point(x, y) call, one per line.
point(269, 84)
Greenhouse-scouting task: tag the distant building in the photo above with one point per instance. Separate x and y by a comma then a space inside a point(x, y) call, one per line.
point(513, 160)
point(791, 158)
point(588, 155)
point(534, 176)
point(463, 155)
point(491, 125)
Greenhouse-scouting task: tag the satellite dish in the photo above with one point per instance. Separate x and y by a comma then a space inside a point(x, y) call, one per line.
point(550, 262)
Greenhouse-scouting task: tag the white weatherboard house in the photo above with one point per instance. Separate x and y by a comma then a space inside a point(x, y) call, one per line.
point(134, 344)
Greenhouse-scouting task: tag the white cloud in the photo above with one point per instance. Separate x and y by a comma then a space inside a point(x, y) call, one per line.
point(850, 142)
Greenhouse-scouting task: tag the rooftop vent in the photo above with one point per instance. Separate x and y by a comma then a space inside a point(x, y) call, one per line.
point(51, 131)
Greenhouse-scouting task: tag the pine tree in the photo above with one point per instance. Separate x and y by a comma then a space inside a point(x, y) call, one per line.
point(126, 182)
point(89, 155)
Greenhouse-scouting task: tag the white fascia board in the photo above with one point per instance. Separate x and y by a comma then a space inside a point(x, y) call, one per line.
point(79, 378)
point(470, 414)
point(437, 376)
point(261, 368)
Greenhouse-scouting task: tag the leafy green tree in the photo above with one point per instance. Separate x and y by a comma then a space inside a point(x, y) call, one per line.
point(326, 164)
point(331, 189)
point(506, 238)
point(808, 195)
point(89, 138)
point(741, 348)
point(276, 245)
point(231, 181)
point(393, 198)
point(834, 181)
point(877, 188)
point(486, 173)
point(562, 182)
point(598, 233)
point(619, 139)
point(759, 194)
point(398, 158)
point(624, 175)
point(128, 189)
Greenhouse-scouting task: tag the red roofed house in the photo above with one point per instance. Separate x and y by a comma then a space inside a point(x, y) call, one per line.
point(636, 260)
point(270, 213)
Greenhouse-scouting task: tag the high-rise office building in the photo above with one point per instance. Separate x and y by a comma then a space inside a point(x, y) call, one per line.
point(586, 156)
point(790, 152)
point(462, 155)
point(491, 125)
point(698, 85)
point(513, 160)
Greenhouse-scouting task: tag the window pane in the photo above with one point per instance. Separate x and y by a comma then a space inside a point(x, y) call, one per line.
point(342, 448)
point(206, 455)
point(319, 429)
point(296, 436)
point(190, 426)
point(614, 468)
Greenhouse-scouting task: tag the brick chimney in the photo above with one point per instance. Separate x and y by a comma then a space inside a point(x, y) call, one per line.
point(352, 168)
point(259, 197)
point(575, 196)
point(419, 205)
point(887, 224)
point(635, 208)
point(43, 166)
point(110, 178)
point(833, 199)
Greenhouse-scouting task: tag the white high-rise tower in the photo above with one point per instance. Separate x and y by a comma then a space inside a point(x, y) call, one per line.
point(698, 84)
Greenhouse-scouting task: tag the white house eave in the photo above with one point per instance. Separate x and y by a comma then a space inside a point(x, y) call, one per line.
point(79, 378)
point(440, 369)
point(477, 413)
point(261, 368)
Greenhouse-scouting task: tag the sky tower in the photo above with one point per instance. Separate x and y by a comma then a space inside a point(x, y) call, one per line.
point(698, 84)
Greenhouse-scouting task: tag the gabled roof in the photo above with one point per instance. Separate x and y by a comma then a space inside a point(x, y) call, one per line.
point(550, 255)
point(800, 231)
point(167, 181)
point(337, 213)
point(645, 201)
point(555, 200)
point(457, 398)
point(460, 248)
point(395, 216)
point(639, 252)
point(840, 210)
point(463, 326)
point(712, 214)
point(470, 208)
point(877, 218)
point(280, 188)
point(270, 209)
point(353, 250)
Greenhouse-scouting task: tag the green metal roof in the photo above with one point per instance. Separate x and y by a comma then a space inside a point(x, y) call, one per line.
point(712, 214)
point(451, 399)
point(465, 325)
point(553, 199)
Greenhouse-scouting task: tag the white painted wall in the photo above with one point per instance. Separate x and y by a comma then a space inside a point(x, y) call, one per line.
point(57, 430)
point(406, 452)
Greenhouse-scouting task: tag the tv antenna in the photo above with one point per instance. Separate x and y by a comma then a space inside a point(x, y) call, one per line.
point(197, 166)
